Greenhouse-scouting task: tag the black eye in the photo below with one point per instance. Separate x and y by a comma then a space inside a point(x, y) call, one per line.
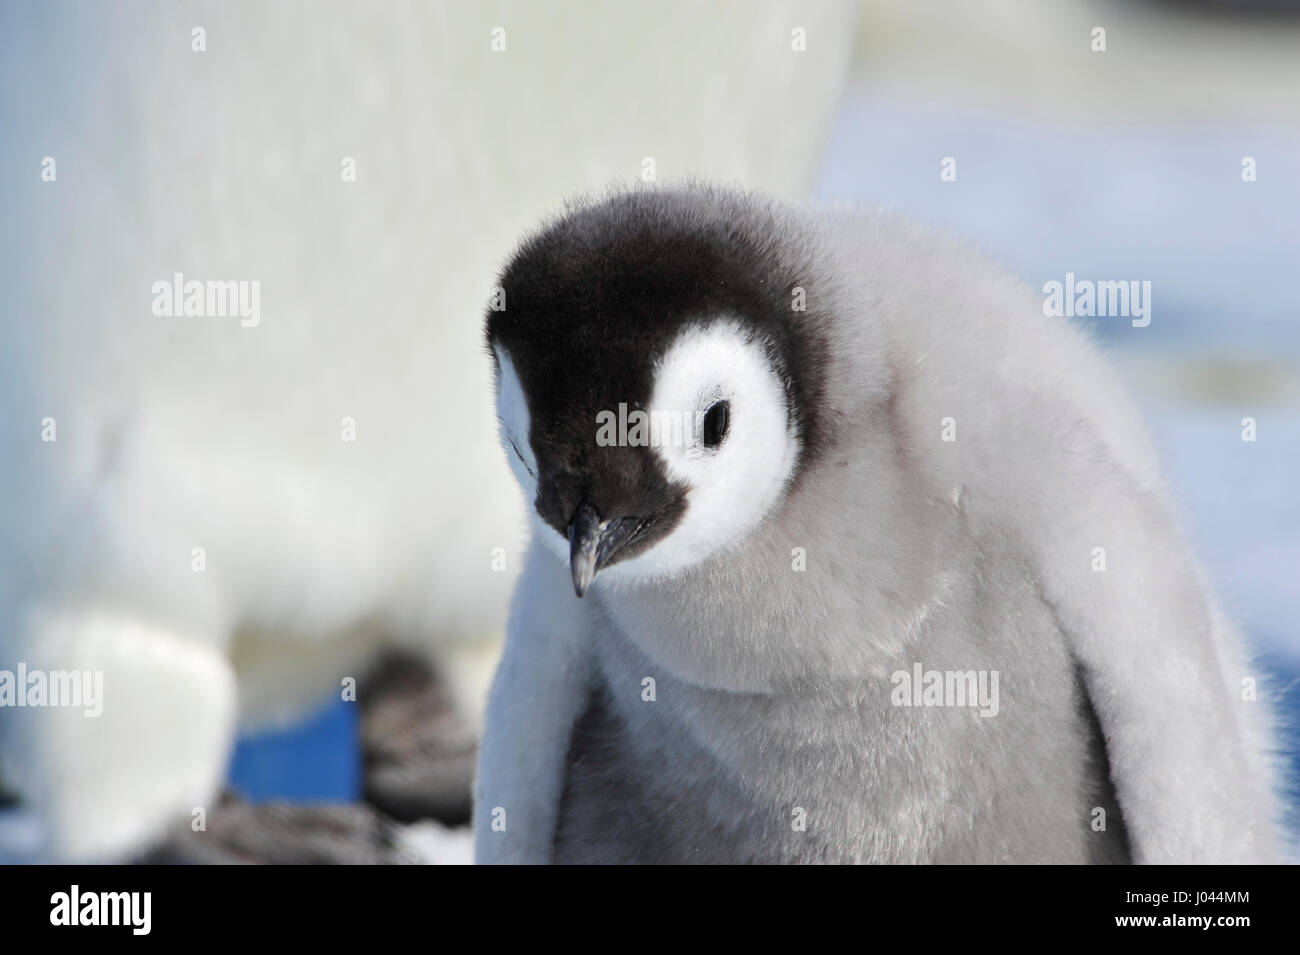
point(716, 420)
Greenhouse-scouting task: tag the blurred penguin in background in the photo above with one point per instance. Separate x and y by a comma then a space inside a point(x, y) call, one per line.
point(243, 257)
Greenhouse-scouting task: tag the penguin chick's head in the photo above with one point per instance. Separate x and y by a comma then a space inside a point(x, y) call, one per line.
point(655, 387)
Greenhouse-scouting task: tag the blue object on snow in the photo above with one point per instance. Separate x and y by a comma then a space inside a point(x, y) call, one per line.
point(318, 760)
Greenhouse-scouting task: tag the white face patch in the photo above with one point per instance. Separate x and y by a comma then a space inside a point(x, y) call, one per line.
point(516, 438)
point(733, 485)
point(512, 414)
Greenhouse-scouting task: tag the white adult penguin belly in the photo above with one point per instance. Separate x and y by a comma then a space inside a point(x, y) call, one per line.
point(227, 504)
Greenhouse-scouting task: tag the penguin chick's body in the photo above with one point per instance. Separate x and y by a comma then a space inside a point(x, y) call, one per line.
point(884, 574)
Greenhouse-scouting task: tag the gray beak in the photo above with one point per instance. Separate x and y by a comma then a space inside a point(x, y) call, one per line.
point(593, 542)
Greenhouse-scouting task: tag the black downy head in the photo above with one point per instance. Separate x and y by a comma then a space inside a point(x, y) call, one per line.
point(592, 303)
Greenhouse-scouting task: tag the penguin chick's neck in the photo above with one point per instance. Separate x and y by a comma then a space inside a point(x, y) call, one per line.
point(755, 618)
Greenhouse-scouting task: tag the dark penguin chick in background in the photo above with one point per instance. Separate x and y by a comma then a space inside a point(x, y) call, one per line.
point(818, 500)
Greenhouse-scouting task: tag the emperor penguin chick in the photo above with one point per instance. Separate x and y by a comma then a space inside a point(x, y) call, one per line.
point(843, 552)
